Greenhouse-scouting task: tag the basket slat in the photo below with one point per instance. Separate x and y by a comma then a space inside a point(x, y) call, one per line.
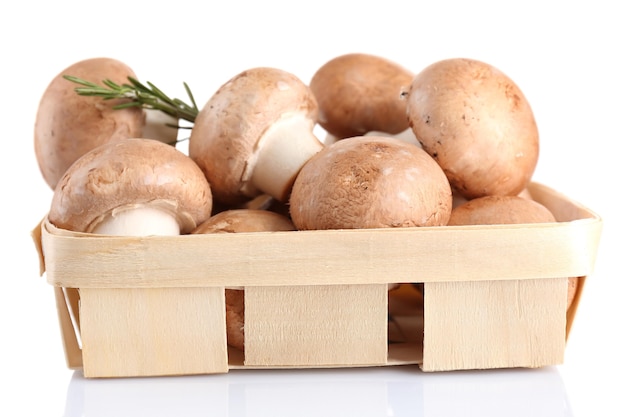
point(325, 325)
point(494, 324)
point(145, 332)
point(65, 303)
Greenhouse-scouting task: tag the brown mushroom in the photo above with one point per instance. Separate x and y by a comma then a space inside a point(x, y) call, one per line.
point(476, 122)
point(358, 93)
point(132, 187)
point(68, 125)
point(490, 210)
point(245, 220)
point(239, 221)
point(368, 182)
point(500, 210)
point(254, 134)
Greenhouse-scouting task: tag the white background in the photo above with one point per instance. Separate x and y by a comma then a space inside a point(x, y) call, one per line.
point(568, 58)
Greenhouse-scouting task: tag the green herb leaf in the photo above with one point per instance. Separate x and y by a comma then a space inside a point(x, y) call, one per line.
point(138, 95)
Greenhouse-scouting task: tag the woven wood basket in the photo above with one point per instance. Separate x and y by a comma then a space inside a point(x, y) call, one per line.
point(472, 297)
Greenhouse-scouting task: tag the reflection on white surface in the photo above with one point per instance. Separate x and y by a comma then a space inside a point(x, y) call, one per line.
point(363, 392)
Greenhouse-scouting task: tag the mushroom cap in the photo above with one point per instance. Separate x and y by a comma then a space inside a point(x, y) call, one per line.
point(476, 122)
point(500, 210)
point(68, 125)
point(245, 220)
point(369, 182)
point(359, 93)
point(125, 174)
point(225, 137)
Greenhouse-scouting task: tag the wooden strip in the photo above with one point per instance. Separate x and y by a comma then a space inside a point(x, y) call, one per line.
point(433, 254)
point(73, 301)
point(564, 209)
point(316, 325)
point(144, 332)
point(463, 253)
point(35, 234)
point(73, 354)
point(494, 324)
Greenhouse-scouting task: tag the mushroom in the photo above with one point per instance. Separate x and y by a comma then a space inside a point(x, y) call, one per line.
point(500, 210)
point(358, 93)
point(132, 187)
point(239, 221)
point(254, 134)
point(369, 182)
point(458, 199)
point(476, 122)
point(245, 220)
point(68, 125)
point(490, 210)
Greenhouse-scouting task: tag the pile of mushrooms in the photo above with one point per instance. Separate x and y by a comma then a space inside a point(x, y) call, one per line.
point(403, 149)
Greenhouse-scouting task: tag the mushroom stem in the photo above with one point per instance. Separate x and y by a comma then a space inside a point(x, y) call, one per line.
point(280, 155)
point(138, 221)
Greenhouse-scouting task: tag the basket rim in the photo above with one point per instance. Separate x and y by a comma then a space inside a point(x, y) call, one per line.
point(349, 256)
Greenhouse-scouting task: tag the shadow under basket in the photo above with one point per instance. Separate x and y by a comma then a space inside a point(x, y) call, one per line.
point(472, 297)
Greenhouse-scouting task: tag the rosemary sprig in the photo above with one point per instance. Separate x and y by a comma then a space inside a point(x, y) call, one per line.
point(147, 96)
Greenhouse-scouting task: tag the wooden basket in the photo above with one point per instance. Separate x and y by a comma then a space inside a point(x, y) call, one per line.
point(493, 296)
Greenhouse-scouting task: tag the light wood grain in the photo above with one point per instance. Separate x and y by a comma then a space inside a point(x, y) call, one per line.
point(494, 324)
point(155, 305)
point(316, 325)
point(69, 332)
point(144, 332)
point(325, 257)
